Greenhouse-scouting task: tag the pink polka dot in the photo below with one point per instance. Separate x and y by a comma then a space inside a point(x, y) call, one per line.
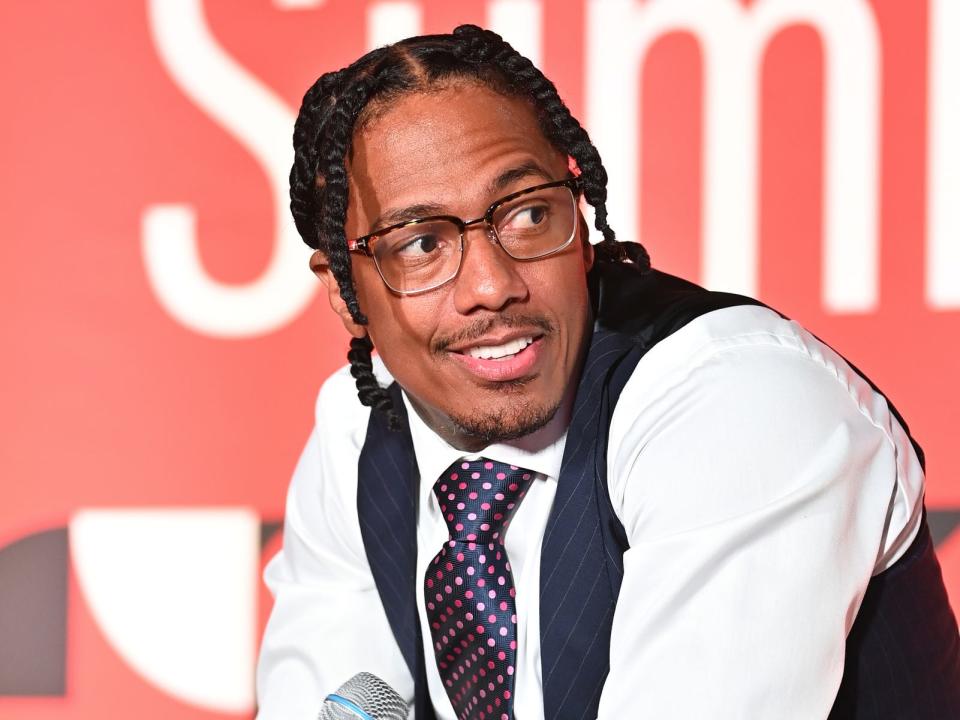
point(470, 570)
point(513, 644)
point(501, 580)
point(501, 476)
point(469, 615)
point(465, 466)
point(503, 633)
point(481, 582)
point(492, 594)
point(473, 516)
point(509, 669)
point(460, 558)
point(492, 618)
point(480, 630)
point(483, 526)
point(458, 580)
point(488, 465)
point(469, 593)
point(459, 527)
point(491, 642)
point(472, 496)
point(481, 607)
point(475, 476)
point(486, 486)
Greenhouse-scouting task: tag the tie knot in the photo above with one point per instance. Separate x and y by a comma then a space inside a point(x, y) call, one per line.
point(478, 497)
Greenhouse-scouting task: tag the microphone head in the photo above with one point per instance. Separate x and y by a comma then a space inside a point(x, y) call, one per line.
point(364, 697)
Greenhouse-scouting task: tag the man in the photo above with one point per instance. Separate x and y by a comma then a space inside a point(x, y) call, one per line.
point(575, 487)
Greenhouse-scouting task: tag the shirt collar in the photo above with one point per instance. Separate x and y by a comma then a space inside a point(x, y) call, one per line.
point(541, 452)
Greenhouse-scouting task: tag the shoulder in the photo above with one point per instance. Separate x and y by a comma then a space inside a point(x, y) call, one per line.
point(327, 469)
point(338, 413)
point(741, 408)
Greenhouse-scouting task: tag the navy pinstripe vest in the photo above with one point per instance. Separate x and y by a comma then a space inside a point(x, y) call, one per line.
point(903, 653)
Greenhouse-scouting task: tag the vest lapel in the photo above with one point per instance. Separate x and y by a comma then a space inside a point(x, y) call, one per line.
point(387, 483)
point(579, 576)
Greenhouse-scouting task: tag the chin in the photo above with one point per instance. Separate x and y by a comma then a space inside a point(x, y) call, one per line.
point(487, 428)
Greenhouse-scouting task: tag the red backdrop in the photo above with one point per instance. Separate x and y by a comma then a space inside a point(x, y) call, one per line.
point(155, 401)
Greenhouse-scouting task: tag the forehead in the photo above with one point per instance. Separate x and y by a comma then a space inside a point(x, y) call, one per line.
point(442, 148)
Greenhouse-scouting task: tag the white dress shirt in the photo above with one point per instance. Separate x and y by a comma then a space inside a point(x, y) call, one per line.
point(761, 483)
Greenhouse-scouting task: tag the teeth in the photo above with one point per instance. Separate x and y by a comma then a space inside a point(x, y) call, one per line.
point(495, 352)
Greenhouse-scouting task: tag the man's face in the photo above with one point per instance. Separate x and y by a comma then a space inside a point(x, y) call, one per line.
point(454, 151)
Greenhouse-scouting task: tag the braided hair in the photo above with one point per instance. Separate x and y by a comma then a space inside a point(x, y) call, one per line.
point(340, 101)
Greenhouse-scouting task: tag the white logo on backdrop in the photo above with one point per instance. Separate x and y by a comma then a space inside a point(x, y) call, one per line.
point(943, 156)
point(174, 592)
point(618, 35)
point(732, 40)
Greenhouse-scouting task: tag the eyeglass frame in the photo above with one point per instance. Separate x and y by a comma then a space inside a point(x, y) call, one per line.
point(363, 244)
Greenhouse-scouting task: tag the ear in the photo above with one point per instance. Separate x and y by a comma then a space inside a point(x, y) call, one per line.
point(321, 268)
point(586, 245)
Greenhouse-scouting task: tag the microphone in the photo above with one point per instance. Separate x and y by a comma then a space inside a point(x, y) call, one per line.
point(364, 697)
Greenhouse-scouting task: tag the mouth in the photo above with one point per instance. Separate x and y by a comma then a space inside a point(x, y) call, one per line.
point(499, 352)
point(501, 359)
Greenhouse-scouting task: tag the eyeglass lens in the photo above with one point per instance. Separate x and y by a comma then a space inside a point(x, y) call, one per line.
point(423, 255)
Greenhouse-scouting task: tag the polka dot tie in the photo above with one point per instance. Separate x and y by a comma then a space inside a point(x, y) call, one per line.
point(469, 590)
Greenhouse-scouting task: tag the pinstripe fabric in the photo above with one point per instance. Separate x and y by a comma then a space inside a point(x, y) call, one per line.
point(903, 652)
point(580, 573)
point(387, 507)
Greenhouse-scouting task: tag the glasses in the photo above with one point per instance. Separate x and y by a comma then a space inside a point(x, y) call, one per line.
point(423, 254)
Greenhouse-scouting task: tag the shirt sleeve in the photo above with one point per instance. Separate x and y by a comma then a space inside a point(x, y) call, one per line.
point(327, 622)
point(761, 483)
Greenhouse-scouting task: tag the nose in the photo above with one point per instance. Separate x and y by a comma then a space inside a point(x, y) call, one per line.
point(489, 279)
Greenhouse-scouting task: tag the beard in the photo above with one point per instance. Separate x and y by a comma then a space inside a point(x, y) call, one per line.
point(504, 424)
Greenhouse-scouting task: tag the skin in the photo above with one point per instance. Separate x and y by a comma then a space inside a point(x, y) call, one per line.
point(446, 148)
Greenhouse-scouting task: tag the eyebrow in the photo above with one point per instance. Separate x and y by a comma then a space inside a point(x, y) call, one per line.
point(529, 168)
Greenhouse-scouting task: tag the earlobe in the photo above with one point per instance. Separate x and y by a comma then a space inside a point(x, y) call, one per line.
point(321, 268)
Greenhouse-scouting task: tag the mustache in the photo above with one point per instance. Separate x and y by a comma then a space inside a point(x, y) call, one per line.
point(480, 327)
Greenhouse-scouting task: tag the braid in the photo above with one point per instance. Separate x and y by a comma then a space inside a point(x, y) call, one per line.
point(319, 193)
point(369, 390)
point(323, 133)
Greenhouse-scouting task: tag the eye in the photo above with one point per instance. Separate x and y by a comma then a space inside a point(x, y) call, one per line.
point(420, 245)
point(530, 216)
